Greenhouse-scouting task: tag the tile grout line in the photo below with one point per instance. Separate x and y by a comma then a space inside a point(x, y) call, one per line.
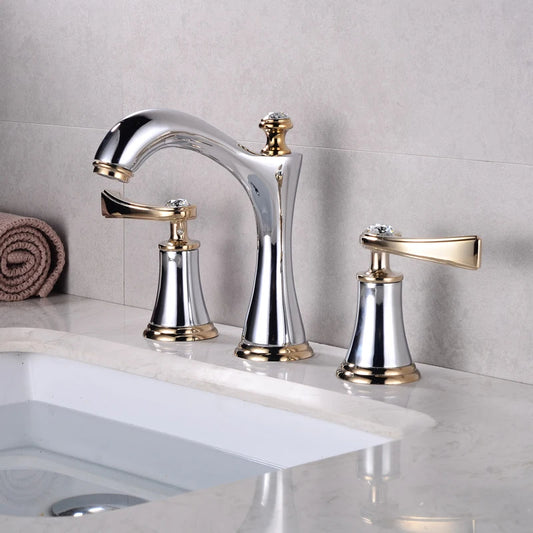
point(305, 146)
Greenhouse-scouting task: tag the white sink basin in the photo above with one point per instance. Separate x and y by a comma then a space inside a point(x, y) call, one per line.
point(73, 428)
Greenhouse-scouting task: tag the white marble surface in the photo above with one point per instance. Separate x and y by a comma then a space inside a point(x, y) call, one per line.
point(462, 461)
point(413, 113)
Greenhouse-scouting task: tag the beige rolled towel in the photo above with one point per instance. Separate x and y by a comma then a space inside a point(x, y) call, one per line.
point(31, 257)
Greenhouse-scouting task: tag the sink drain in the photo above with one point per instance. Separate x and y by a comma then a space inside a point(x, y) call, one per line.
point(93, 503)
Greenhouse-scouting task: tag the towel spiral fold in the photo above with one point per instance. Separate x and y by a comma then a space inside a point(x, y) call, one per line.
point(31, 257)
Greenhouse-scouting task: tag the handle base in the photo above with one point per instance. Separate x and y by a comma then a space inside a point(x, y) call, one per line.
point(180, 333)
point(290, 352)
point(378, 376)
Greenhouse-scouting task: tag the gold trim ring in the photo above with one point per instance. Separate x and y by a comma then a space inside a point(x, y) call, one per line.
point(110, 170)
point(292, 352)
point(180, 333)
point(378, 376)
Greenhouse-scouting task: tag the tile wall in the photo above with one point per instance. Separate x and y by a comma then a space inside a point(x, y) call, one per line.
point(411, 112)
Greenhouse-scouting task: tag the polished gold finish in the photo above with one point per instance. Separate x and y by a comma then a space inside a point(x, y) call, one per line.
point(378, 376)
point(117, 207)
point(275, 127)
point(379, 271)
point(179, 244)
point(109, 170)
point(463, 252)
point(179, 239)
point(181, 333)
point(294, 352)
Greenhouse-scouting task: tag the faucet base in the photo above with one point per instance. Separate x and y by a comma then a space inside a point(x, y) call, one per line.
point(180, 333)
point(291, 352)
point(378, 376)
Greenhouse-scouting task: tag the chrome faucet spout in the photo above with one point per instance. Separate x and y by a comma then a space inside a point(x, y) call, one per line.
point(273, 330)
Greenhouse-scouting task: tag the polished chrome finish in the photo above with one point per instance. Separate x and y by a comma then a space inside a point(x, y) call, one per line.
point(93, 503)
point(273, 319)
point(379, 337)
point(379, 353)
point(179, 312)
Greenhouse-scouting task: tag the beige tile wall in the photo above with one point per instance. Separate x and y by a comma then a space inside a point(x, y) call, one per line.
point(409, 112)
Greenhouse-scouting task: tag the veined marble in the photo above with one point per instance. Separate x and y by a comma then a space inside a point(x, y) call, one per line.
point(462, 459)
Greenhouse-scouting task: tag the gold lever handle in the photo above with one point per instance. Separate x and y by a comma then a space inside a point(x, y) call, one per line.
point(117, 207)
point(177, 212)
point(463, 252)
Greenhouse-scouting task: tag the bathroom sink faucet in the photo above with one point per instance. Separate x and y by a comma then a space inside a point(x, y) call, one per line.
point(273, 329)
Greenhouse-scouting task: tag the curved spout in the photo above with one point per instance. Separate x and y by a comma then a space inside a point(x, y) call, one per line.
point(136, 137)
point(273, 328)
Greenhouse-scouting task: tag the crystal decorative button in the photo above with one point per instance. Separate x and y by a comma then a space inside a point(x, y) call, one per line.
point(178, 202)
point(383, 230)
point(277, 115)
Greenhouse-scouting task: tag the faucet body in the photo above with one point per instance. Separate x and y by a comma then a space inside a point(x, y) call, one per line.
point(379, 353)
point(273, 328)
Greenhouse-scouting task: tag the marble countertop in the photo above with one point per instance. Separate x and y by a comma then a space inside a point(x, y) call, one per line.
point(462, 458)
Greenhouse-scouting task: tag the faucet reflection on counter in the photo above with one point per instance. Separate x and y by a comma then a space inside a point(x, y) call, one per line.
point(378, 467)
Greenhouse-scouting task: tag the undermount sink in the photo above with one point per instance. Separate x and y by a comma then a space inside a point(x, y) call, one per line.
point(72, 428)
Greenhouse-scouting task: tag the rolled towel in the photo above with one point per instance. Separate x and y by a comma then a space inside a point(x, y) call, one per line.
point(31, 257)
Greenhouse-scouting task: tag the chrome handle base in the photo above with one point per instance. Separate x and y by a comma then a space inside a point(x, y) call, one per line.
point(179, 313)
point(379, 353)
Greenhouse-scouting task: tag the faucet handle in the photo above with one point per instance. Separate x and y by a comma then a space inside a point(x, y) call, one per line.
point(379, 352)
point(118, 207)
point(462, 252)
point(177, 212)
point(275, 125)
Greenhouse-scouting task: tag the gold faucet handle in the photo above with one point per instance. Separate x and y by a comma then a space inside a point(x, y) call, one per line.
point(275, 125)
point(174, 210)
point(177, 212)
point(463, 252)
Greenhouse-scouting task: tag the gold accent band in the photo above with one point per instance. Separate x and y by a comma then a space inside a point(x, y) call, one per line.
point(293, 352)
point(379, 271)
point(181, 333)
point(378, 376)
point(179, 246)
point(109, 170)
